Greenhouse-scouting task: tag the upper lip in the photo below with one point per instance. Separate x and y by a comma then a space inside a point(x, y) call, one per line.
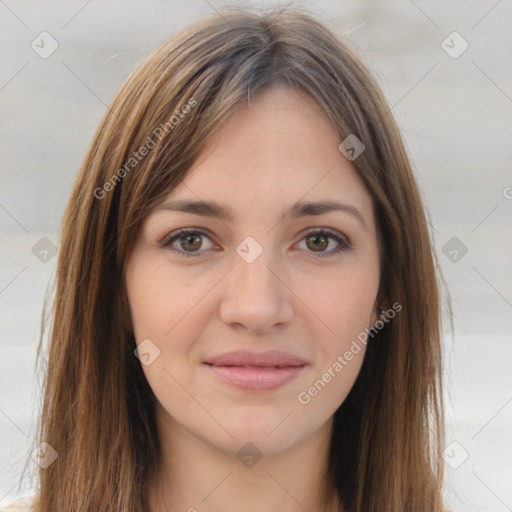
point(262, 359)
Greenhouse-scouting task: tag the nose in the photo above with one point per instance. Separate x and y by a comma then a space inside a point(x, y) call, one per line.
point(255, 295)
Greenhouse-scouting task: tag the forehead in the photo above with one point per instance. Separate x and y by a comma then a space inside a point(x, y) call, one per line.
point(279, 150)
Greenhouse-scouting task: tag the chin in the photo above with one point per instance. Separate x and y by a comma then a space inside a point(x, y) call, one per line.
point(258, 443)
point(271, 432)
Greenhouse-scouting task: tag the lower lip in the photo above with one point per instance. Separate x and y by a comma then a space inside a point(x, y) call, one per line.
point(256, 379)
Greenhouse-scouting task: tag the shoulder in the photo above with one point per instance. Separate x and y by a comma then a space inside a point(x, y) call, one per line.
point(21, 505)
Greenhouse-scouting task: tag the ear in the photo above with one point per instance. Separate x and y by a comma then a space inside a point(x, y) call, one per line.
point(379, 309)
point(376, 313)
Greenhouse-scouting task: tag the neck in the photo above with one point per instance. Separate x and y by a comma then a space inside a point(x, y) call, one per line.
point(196, 476)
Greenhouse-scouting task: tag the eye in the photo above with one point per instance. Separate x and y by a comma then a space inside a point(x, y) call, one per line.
point(319, 240)
point(189, 240)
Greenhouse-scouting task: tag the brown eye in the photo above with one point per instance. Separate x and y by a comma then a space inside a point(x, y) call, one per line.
point(317, 242)
point(190, 242)
point(186, 242)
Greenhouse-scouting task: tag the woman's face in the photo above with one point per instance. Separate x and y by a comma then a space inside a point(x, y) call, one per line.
point(247, 321)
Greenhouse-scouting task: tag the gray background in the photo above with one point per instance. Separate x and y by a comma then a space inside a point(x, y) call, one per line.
point(455, 114)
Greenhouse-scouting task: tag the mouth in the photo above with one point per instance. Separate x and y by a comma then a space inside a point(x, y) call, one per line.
point(252, 371)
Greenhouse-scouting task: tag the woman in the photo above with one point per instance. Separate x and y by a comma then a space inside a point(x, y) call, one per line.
point(247, 313)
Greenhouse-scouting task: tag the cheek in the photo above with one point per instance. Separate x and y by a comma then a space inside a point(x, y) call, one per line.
point(343, 306)
point(343, 301)
point(165, 307)
point(160, 297)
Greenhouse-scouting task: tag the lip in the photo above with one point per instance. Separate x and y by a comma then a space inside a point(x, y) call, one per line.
point(253, 371)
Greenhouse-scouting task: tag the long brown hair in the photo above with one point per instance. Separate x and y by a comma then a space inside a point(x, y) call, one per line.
point(98, 411)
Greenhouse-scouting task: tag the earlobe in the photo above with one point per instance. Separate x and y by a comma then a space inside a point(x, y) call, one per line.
point(380, 314)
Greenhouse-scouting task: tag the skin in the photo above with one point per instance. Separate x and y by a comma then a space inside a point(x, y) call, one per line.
point(278, 151)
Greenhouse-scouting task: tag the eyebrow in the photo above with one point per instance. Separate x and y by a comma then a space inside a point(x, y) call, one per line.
point(297, 210)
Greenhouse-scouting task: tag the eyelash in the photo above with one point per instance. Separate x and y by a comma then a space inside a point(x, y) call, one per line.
point(344, 245)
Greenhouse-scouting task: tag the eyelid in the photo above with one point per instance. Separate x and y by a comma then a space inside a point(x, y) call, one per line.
point(328, 231)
